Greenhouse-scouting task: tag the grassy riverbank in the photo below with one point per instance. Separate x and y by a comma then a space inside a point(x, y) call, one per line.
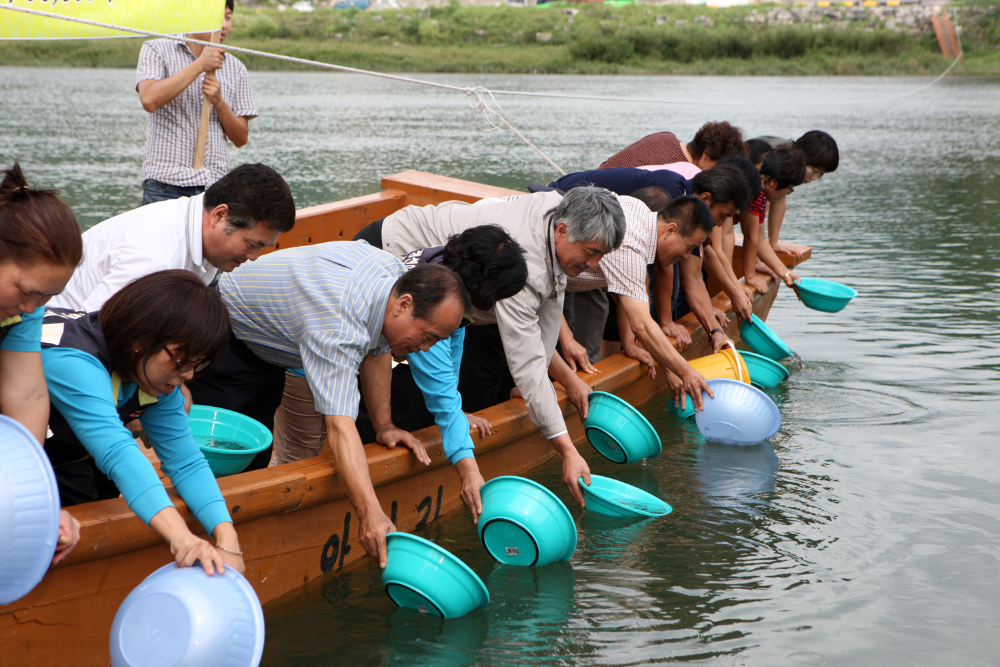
point(587, 39)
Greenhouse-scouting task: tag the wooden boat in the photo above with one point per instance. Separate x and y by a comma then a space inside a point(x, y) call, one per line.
point(295, 522)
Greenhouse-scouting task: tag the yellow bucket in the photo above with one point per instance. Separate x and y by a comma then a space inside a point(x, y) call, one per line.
point(727, 364)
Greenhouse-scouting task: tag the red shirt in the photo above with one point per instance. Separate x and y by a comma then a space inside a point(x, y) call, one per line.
point(659, 148)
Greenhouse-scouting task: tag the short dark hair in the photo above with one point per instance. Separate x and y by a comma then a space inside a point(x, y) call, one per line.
point(749, 172)
point(230, 5)
point(429, 285)
point(690, 213)
point(653, 196)
point(254, 193)
point(489, 262)
point(164, 308)
point(819, 149)
point(717, 140)
point(725, 183)
point(36, 225)
point(792, 171)
point(758, 149)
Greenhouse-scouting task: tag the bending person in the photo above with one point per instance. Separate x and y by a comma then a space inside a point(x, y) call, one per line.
point(39, 248)
point(126, 362)
point(336, 310)
point(562, 237)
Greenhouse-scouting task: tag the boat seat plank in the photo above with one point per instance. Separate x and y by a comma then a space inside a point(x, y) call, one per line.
point(424, 189)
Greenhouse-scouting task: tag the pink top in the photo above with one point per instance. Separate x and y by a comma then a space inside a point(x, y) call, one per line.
point(685, 169)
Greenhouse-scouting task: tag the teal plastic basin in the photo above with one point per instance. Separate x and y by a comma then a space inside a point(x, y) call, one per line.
point(614, 498)
point(764, 373)
point(228, 439)
point(825, 295)
point(759, 338)
point(422, 576)
point(618, 431)
point(523, 523)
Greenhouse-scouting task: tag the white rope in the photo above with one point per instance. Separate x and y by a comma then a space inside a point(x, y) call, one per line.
point(496, 118)
point(489, 110)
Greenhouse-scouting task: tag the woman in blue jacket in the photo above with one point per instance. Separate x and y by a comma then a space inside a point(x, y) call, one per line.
point(40, 246)
point(127, 362)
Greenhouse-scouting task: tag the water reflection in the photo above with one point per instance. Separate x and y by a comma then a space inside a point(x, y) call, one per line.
point(736, 477)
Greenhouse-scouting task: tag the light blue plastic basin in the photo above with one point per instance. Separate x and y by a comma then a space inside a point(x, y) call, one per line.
point(738, 415)
point(181, 617)
point(29, 511)
point(764, 373)
point(212, 427)
point(618, 431)
point(421, 575)
point(614, 498)
point(759, 338)
point(523, 523)
point(825, 295)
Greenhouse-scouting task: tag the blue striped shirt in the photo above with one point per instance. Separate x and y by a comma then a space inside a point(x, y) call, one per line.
point(318, 307)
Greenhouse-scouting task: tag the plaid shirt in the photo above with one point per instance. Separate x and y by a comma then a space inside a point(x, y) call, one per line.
point(659, 148)
point(172, 130)
point(623, 271)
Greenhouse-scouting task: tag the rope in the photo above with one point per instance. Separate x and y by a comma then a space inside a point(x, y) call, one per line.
point(484, 104)
point(496, 118)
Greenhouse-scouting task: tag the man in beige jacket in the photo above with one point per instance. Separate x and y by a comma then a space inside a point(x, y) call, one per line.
point(562, 237)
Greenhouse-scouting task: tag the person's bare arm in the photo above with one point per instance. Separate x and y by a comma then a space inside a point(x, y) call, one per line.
point(775, 216)
point(375, 374)
point(574, 353)
point(771, 261)
point(158, 93)
point(658, 345)
point(351, 465)
point(237, 128)
point(749, 224)
point(24, 396)
point(721, 238)
point(663, 293)
point(742, 305)
point(576, 389)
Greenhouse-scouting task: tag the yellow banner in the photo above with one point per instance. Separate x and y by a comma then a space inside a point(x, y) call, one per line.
point(164, 16)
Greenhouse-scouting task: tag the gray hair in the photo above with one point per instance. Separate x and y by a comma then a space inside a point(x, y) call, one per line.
point(591, 214)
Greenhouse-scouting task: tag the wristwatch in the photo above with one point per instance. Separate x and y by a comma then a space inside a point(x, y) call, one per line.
point(715, 331)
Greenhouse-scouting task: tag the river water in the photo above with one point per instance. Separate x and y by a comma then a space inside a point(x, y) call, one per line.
point(867, 532)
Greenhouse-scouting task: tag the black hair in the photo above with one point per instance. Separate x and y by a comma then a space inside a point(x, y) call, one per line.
point(749, 172)
point(230, 5)
point(254, 193)
point(758, 149)
point(489, 262)
point(819, 149)
point(793, 167)
point(725, 183)
point(653, 196)
point(169, 307)
point(429, 285)
point(690, 213)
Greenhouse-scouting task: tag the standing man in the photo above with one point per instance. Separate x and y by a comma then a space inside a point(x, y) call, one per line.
point(172, 78)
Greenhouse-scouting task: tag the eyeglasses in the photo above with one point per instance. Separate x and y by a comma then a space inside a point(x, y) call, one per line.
point(184, 366)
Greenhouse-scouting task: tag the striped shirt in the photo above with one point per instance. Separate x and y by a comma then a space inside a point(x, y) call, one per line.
point(623, 271)
point(318, 307)
point(759, 206)
point(172, 130)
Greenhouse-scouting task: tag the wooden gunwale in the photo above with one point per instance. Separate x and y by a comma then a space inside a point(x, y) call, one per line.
point(295, 521)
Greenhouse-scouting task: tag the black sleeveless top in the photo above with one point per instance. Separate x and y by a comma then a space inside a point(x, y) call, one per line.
point(80, 331)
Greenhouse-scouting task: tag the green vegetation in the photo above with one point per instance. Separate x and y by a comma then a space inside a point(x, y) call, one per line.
point(596, 39)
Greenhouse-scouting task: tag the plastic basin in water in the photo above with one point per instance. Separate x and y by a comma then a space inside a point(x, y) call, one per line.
point(421, 575)
point(825, 295)
point(29, 511)
point(181, 617)
point(614, 498)
point(228, 439)
point(764, 373)
point(523, 523)
point(618, 431)
point(738, 415)
point(724, 364)
point(759, 338)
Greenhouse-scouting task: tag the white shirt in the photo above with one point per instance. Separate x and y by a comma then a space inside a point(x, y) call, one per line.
point(160, 236)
